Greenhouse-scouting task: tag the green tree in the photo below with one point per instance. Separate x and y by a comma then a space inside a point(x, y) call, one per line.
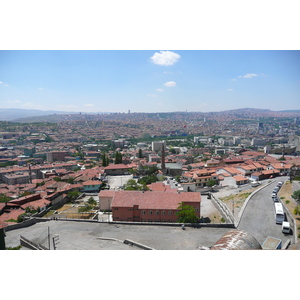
point(211, 182)
point(132, 185)
point(186, 214)
point(118, 158)
point(147, 180)
point(70, 180)
point(140, 155)
point(73, 194)
point(104, 160)
point(4, 198)
point(91, 201)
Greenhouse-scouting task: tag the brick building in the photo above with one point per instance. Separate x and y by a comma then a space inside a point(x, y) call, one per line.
point(137, 206)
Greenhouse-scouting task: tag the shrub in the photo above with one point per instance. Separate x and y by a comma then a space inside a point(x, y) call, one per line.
point(14, 248)
point(296, 211)
point(287, 201)
point(11, 220)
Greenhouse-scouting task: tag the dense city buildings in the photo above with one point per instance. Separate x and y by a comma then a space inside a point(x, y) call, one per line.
point(54, 156)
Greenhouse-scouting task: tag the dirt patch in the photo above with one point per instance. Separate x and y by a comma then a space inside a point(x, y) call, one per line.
point(234, 202)
point(285, 194)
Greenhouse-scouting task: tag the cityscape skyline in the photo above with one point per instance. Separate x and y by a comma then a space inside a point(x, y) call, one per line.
point(149, 81)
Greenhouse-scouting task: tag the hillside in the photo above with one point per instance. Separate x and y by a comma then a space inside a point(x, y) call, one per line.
point(32, 116)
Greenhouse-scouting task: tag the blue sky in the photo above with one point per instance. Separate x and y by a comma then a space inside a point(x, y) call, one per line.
point(149, 81)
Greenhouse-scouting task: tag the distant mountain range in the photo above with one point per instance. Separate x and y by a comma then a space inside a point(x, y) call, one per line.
point(34, 115)
point(16, 114)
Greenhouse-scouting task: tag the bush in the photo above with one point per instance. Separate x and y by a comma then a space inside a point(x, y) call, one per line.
point(14, 248)
point(287, 201)
point(296, 211)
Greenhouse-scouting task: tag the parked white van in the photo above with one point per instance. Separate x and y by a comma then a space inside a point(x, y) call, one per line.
point(286, 227)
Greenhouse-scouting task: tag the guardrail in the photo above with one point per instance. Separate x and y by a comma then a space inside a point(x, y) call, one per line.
point(223, 209)
point(29, 244)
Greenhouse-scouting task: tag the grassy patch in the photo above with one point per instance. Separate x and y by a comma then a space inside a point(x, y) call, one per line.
point(227, 198)
point(14, 248)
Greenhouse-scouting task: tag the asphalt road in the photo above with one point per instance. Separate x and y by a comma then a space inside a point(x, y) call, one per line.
point(259, 218)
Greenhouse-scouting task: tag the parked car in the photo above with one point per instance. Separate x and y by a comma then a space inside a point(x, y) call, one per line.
point(286, 227)
point(274, 195)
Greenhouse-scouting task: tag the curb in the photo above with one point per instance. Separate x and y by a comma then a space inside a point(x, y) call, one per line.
point(246, 202)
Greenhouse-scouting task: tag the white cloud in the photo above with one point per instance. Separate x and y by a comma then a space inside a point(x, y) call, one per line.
point(159, 90)
point(153, 96)
point(229, 90)
point(13, 101)
point(165, 58)
point(249, 75)
point(40, 88)
point(88, 105)
point(1, 82)
point(170, 83)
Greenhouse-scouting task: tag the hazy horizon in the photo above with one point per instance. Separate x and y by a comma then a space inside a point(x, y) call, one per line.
point(149, 81)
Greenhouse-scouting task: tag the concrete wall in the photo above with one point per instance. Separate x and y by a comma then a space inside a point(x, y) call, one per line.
point(20, 225)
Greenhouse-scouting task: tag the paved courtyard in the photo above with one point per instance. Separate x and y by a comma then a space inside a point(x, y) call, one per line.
point(89, 236)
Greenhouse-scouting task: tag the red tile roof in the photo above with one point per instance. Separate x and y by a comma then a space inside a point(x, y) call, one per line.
point(116, 167)
point(12, 214)
point(107, 193)
point(153, 200)
point(92, 182)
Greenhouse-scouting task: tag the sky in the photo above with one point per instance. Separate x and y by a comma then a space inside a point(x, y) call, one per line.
point(149, 80)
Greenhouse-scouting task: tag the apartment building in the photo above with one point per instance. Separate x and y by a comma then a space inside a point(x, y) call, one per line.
point(56, 156)
point(19, 178)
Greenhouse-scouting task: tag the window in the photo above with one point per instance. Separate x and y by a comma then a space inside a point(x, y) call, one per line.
point(150, 212)
point(170, 212)
point(115, 208)
point(157, 212)
point(129, 209)
point(163, 212)
point(196, 209)
point(143, 212)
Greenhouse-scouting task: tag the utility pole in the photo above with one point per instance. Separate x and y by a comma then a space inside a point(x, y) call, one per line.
point(49, 237)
